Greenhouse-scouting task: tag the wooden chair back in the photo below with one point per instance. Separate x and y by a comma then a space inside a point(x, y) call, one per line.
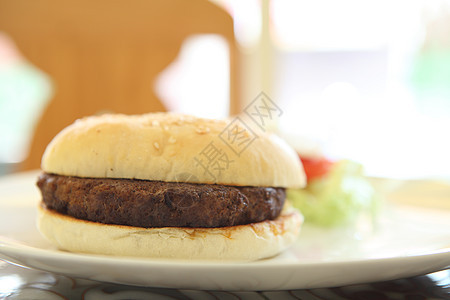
point(104, 55)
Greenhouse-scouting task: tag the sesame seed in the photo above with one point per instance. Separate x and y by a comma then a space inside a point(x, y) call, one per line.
point(172, 140)
point(156, 145)
point(202, 130)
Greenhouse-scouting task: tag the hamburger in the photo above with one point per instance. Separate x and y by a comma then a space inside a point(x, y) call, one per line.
point(167, 185)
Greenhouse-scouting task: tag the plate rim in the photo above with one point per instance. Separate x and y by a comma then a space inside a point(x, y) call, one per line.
point(53, 254)
point(438, 260)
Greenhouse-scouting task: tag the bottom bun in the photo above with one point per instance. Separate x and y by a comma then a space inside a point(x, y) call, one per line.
point(244, 242)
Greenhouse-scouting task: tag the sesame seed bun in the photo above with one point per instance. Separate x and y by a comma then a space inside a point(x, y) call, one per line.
point(236, 243)
point(161, 146)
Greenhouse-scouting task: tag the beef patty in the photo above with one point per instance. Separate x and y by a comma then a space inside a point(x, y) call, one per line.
point(144, 203)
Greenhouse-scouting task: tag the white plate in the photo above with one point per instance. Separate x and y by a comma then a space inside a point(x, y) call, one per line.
point(408, 242)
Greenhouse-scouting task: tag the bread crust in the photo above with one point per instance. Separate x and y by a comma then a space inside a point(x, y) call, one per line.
point(236, 243)
point(163, 146)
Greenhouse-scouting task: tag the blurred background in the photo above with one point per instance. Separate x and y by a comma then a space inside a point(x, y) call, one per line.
point(364, 80)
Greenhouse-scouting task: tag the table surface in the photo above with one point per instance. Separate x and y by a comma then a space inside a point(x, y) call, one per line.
point(21, 283)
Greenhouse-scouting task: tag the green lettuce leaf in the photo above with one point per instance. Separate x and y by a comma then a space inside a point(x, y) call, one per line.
point(338, 198)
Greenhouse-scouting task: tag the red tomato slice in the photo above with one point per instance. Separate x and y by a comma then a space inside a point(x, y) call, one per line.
point(316, 167)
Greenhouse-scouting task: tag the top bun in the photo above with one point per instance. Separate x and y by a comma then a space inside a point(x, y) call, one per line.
point(173, 147)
